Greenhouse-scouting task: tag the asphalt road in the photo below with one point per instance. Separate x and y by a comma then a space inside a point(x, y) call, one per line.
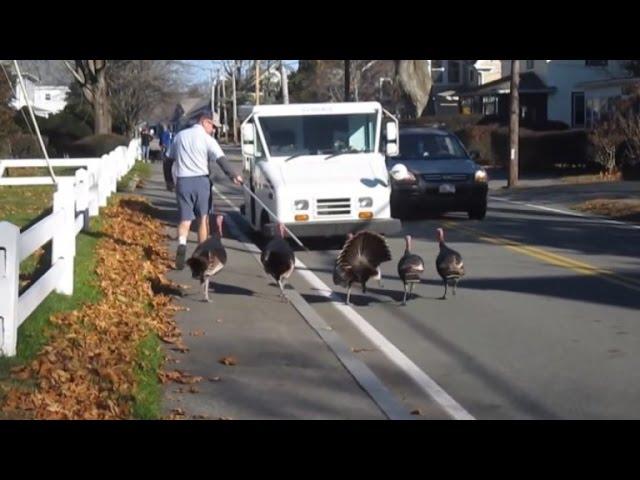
point(545, 324)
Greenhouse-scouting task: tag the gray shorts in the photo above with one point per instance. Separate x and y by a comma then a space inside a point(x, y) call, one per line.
point(194, 197)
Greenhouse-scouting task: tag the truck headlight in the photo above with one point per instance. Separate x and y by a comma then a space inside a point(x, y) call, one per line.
point(481, 176)
point(301, 204)
point(365, 202)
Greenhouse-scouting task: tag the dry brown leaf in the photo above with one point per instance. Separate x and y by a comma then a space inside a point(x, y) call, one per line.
point(358, 350)
point(417, 411)
point(87, 369)
point(193, 390)
point(214, 379)
point(228, 361)
point(197, 333)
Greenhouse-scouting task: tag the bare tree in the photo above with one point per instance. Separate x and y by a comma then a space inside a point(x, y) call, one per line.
point(92, 77)
point(605, 138)
point(139, 88)
point(415, 81)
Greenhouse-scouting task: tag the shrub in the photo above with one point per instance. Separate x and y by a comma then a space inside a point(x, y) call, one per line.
point(96, 145)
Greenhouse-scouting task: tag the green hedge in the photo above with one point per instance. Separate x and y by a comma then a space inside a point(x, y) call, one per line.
point(537, 150)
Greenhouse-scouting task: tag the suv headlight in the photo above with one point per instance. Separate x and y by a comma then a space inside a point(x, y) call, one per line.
point(481, 176)
point(301, 204)
point(365, 202)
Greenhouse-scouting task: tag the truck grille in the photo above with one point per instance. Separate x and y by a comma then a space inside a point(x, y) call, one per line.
point(447, 177)
point(333, 206)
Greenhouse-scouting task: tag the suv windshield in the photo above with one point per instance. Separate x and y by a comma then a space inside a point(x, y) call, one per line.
point(319, 134)
point(429, 146)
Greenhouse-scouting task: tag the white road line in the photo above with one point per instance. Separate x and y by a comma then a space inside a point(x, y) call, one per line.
point(362, 374)
point(569, 212)
point(424, 381)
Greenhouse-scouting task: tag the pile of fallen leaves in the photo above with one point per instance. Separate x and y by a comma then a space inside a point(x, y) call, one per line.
point(88, 368)
point(622, 209)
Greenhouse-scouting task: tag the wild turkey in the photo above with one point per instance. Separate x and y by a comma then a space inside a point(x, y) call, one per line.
point(360, 260)
point(340, 276)
point(448, 264)
point(410, 267)
point(278, 259)
point(209, 258)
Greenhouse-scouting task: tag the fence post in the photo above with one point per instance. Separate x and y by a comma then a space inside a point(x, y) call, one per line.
point(113, 171)
point(82, 196)
point(103, 180)
point(94, 190)
point(63, 248)
point(9, 273)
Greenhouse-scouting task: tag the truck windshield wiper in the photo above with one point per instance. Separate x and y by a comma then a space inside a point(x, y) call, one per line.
point(341, 152)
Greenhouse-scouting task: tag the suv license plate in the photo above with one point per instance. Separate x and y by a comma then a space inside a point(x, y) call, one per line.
point(447, 188)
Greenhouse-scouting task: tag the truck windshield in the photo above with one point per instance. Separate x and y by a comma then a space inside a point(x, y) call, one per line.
point(319, 134)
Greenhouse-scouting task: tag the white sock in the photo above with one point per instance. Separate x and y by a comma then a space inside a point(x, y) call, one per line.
point(182, 240)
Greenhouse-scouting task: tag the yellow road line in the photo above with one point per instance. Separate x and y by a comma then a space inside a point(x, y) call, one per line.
point(551, 258)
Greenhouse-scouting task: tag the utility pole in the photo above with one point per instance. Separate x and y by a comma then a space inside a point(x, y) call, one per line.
point(213, 94)
point(224, 111)
point(257, 82)
point(514, 122)
point(235, 103)
point(284, 81)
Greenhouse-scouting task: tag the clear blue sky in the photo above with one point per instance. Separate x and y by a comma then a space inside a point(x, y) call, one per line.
point(200, 70)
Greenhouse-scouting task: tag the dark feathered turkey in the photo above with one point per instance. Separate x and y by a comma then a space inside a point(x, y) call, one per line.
point(278, 259)
point(360, 260)
point(410, 267)
point(448, 264)
point(209, 258)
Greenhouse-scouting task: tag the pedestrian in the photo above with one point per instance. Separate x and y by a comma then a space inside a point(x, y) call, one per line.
point(166, 137)
point(145, 139)
point(190, 165)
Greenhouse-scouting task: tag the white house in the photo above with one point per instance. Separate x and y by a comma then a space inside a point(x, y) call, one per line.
point(45, 99)
point(451, 77)
point(556, 90)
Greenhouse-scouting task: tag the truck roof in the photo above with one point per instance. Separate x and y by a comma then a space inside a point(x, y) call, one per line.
point(298, 109)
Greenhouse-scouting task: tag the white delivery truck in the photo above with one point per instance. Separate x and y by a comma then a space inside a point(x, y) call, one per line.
point(319, 167)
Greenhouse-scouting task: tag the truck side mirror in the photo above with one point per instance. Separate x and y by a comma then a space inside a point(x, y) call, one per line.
point(392, 132)
point(392, 147)
point(248, 140)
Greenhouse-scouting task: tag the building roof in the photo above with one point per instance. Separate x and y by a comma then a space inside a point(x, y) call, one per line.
point(529, 83)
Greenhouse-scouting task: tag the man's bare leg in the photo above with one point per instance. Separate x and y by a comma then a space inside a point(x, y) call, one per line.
point(203, 229)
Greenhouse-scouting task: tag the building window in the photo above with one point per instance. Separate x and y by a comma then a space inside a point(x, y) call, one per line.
point(596, 63)
point(531, 64)
point(454, 71)
point(577, 109)
point(437, 71)
point(47, 96)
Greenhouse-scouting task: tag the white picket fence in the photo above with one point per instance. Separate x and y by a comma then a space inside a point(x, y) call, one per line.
point(76, 199)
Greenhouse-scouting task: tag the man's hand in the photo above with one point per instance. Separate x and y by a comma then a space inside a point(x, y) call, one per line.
point(238, 180)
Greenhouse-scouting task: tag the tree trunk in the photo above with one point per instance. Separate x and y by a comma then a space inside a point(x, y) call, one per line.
point(514, 123)
point(347, 80)
point(101, 110)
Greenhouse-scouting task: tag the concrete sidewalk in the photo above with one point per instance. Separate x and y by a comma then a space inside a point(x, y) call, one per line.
point(283, 368)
